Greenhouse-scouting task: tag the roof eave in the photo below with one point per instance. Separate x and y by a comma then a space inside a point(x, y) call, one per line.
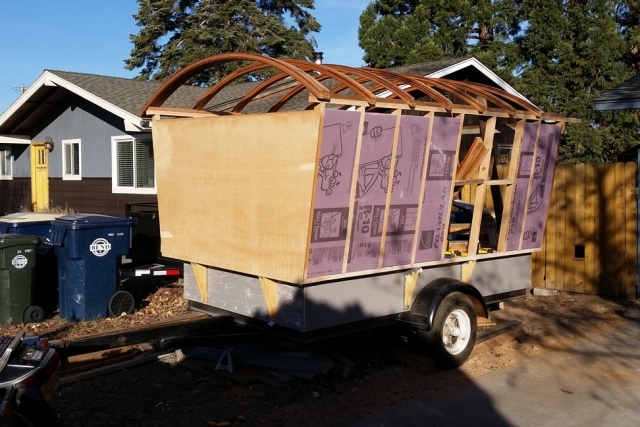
point(626, 104)
point(132, 123)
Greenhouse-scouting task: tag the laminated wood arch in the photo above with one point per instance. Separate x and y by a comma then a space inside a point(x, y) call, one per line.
point(374, 78)
point(229, 78)
point(306, 66)
point(364, 85)
point(181, 77)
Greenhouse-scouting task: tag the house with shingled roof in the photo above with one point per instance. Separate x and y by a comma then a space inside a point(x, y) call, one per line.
point(78, 141)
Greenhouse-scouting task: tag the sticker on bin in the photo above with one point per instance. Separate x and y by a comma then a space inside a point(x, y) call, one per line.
point(19, 261)
point(100, 247)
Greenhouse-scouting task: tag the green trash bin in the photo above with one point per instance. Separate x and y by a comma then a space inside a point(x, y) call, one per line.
point(17, 269)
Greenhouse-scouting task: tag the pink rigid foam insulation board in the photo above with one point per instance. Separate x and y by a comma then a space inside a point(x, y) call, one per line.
point(519, 201)
point(437, 191)
point(371, 191)
point(541, 185)
point(403, 209)
point(331, 210)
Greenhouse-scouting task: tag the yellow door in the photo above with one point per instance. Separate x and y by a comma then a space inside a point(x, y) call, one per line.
point(39, 177)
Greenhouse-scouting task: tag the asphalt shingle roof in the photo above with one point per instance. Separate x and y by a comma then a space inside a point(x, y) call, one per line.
point(426, 68)
point(625, 95)
point(131, 95)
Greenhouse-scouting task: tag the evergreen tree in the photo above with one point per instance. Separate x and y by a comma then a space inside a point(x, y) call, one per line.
point(571, 50)
point(175, 33)
point(560, 54)
point(401, 32)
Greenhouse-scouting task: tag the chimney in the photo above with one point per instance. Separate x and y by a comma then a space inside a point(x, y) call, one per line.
point(317, 57)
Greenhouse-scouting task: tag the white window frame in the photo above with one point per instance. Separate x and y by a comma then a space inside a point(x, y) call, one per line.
point(65, 143)
point(8, 176)
point(114, 167)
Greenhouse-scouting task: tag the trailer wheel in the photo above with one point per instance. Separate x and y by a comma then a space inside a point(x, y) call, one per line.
point(121, 302)
point(33, 314)
point(450, 342)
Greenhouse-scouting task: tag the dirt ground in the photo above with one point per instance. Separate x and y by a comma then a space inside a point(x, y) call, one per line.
point(165, 393)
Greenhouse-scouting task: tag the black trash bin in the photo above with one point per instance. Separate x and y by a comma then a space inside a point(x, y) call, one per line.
point(46, 273)
point(89, 248)
point(17, 265)
point(146, 234)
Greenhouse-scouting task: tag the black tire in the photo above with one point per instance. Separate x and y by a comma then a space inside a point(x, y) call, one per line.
point(31, 413)
point(121, 302)
point(33, 314)
point(450, 348)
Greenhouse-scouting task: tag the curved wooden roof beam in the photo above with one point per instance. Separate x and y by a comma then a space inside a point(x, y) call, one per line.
point(178, 79)
point(307, 66)
point(223, 82)
point(455, 88)
point(374, 78)
point(282, 101)
point(450, 86)
point(293, 92)
point(250, 96)
point(415, 83)
point(353, 84)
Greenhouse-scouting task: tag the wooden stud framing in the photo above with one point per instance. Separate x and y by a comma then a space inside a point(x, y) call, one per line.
point(423, 179)
point(396, 133)
point(481, 191)
point(354, 183)
point(200, 272)
point(509, 191)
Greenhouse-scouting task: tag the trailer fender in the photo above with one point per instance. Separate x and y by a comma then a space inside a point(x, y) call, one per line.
point(423, 310)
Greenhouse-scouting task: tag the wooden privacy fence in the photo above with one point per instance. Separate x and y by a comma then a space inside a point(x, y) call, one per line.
point(592, 232)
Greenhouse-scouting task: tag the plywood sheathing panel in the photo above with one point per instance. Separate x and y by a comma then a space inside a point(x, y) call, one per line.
point(235, 191)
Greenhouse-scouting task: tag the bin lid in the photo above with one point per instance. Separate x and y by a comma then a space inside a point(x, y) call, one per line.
point(81, 221)
point(28, 218)
point(8, 240)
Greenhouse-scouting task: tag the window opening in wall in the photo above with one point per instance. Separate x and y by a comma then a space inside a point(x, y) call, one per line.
point(71, 159)
point(5, 162)
point(134, 165)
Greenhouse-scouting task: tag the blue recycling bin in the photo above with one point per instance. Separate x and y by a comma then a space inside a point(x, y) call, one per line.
point(45, 290)
point(89, 248)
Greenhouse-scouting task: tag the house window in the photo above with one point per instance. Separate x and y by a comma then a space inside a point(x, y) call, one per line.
point(5, 162)
point(134, 167)
point(71, 159)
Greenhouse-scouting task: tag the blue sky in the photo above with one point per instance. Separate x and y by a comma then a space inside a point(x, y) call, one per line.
point(91, 36)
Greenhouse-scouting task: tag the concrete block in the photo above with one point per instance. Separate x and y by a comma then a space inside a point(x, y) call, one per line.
point(543, 292)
